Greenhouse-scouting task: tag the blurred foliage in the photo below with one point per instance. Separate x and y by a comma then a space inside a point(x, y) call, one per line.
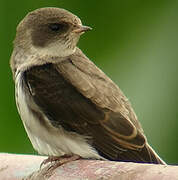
point(134, 42)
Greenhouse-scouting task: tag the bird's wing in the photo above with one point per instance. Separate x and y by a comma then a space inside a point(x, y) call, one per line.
point(89, 80)
point(81, 98)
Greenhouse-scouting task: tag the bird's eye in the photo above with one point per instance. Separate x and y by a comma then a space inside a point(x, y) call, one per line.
point(56, 27)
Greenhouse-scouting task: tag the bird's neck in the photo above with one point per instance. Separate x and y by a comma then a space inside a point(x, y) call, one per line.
point(22, 60)
point(53, 50)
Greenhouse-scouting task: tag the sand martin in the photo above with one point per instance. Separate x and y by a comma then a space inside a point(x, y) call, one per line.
point(68, 106)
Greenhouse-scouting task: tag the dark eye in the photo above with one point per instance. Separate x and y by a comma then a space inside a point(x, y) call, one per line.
point(56, 27)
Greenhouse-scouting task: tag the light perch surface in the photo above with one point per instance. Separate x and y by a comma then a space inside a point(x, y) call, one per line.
point(18, 167)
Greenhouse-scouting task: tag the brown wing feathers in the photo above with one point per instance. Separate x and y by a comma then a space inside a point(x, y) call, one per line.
point(70, 98)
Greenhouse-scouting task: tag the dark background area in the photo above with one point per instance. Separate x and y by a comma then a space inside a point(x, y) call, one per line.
point(133, 42)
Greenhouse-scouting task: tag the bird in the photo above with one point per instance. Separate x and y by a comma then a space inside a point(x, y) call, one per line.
point(69, 107)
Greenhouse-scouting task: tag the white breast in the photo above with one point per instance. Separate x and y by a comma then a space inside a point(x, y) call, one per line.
point(49, 140)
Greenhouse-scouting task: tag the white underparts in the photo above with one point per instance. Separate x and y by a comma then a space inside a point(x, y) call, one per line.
point(49, 140)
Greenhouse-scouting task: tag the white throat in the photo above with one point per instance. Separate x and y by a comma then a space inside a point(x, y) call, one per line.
point(54, 49)
point(53, 53)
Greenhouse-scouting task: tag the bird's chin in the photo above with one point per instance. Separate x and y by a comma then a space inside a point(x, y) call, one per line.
point(75, 41)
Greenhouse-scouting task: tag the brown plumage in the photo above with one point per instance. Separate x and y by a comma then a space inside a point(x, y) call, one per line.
point(70, 93)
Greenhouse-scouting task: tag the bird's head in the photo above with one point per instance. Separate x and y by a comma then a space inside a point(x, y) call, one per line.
point(50, 31)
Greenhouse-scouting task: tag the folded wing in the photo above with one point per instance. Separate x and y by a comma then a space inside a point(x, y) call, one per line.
point(78, 96)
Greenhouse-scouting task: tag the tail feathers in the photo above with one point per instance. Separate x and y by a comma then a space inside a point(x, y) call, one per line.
point(153, 155)
point(144, 155)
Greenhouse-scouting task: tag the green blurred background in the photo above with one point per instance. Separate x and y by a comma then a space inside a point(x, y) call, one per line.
point(135, 42)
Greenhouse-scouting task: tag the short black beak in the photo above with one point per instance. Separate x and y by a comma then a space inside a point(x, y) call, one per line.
point(81, 29)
